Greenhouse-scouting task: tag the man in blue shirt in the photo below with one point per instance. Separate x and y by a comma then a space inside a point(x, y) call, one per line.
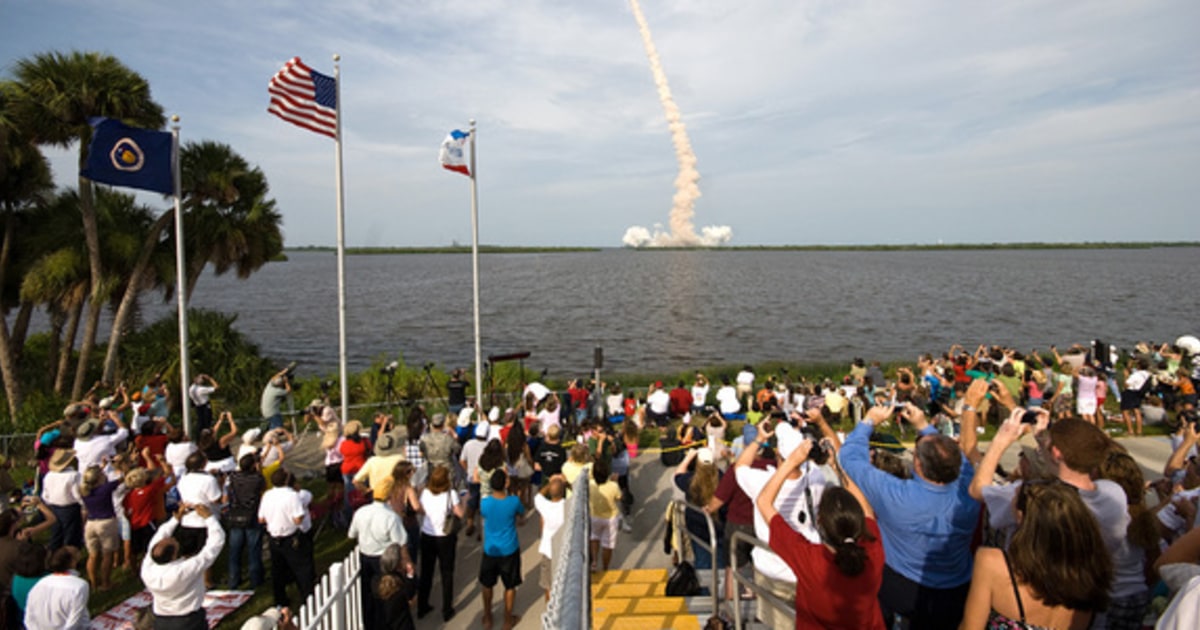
point(927, 522)
point(502, 514)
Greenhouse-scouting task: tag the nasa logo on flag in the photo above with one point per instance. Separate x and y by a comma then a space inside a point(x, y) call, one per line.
point(120, 155)
point(127, 156)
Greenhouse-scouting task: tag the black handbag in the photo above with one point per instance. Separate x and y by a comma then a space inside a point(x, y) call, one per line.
point(682, 582)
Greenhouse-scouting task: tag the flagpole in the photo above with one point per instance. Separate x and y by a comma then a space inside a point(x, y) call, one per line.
point(341, 245)
point(475, 274)
point(185, 377)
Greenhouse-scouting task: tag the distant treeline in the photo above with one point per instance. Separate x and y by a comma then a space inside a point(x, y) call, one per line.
point(502, 249)
point(450, 249)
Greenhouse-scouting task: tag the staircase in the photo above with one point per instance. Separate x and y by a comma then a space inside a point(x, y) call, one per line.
point(634, 600)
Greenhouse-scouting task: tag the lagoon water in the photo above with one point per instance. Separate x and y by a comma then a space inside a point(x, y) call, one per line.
point(657, 311)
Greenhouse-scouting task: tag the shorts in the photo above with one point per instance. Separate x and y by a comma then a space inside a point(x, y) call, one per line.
point(604, 530)
point(473, 496)
point(741, 549)
point(506, 568)
point(1086, 406)
point(126, 530)
point(1131, 399)
point(545, 573)
point(333, 473)
point(101, 536)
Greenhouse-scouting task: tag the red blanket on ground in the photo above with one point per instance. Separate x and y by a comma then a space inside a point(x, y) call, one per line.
point(217, 604)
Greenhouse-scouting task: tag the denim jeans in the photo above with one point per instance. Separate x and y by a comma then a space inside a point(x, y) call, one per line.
point(250, 539)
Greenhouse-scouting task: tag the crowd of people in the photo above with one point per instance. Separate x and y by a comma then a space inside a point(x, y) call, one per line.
point(857, 537)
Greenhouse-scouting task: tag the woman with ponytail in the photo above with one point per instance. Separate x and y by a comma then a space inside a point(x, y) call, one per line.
point(837, 578)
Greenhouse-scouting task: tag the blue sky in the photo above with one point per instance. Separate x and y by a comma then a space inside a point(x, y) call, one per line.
point(832, 121)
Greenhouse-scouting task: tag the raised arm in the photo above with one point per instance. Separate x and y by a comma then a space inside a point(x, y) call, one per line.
point(1010, 431)
point(766, 498)
point(1178, 460)
point(968, 438)
point(746, 459)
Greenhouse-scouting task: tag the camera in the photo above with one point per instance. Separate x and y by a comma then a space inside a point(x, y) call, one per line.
point(290, 370)
point(1029, 417)
point(390, 368)
point(326, 385)
point(428, 367)
point(819, 453)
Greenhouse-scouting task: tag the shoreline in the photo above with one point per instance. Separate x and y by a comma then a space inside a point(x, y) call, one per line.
point(915, 247)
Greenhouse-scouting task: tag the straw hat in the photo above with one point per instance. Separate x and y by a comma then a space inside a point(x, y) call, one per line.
point(354, 427)
point(86, 430)
point(62, 458)
point(388, 444)
point(438, 420)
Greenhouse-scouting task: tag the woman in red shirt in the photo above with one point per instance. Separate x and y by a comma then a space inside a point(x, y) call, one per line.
point(354, 449)
point(838, 579)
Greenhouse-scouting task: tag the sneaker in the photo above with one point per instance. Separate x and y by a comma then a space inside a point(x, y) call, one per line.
point(625, 526)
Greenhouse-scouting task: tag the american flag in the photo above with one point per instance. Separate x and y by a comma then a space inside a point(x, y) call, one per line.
point(304, 97)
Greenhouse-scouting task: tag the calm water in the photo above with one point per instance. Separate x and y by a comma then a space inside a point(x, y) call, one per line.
point(675, 310)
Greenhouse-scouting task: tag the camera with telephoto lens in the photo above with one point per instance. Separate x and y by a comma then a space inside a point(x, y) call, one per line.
point(819, 453)
point(290, 370)
point(390, 368)
point(326, 385)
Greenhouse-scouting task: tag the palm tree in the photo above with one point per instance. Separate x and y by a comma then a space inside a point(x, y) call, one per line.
point(58, 93)
point(230, 222)
point(24, 181)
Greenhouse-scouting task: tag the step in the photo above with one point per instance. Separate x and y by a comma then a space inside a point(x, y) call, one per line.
point(639, 606)
point(630, 576)
point(647, 622)
point(634, 589)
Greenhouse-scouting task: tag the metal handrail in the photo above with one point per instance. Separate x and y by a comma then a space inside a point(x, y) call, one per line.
point(711, 546)
point(772, 600)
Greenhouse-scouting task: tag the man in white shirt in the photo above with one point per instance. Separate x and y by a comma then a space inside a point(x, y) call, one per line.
point(727, 399)
point(175, 579)
point(196, 488)
point(59, 601)
point(796, 502)
point(282, 512)
point(376, 527)
point(745, 381)
point(658, 405)
point(91, 448)
point(200, 396)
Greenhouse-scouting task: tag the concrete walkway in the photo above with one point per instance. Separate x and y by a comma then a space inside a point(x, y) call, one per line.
point(653, 489)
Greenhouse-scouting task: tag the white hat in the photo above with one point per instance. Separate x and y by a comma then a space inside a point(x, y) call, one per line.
point(251, 436)
point(787, 439)
point(481, 431)
point(268, 620)
point(705, 456)
point(494, 414)
point(106, 403)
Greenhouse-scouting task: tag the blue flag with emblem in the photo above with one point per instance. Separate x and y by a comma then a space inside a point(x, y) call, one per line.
point(120, 155)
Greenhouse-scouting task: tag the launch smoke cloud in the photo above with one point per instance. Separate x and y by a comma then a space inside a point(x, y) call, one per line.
point(681, 232)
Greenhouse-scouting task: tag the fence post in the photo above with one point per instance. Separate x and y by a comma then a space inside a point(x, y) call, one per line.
point(338, 589)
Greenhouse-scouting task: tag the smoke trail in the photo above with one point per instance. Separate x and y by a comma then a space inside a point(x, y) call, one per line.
point(687, 190)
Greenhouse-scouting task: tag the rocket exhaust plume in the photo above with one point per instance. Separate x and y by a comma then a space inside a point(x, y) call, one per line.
point(683, 207)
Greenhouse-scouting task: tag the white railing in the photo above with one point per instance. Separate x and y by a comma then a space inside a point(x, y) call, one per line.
point(336, 603)
point(570, 605)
